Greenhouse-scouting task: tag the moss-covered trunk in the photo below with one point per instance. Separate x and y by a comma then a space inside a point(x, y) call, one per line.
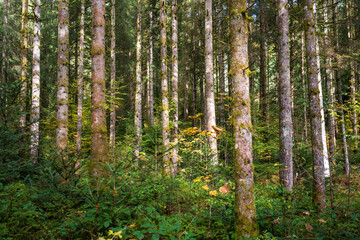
point(35, 96)
point(138, 88)
point(99, 146)
point(63, 77)
point(245, 218)
point(315, 107)
point(285, 113)
point(112, 80)
point(24, 61)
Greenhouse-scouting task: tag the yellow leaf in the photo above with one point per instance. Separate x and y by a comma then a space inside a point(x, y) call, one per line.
point(206, 187)
point(213, 193)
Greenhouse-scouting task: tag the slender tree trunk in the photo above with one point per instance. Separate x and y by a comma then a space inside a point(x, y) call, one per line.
point(323, 130)
point(81, 79)
point(209, 82)
point(315, 107)
point(138, 110)
point(245, 213)
point(329, 83)
point(35, 97)
point(263, 80)
point(175, 77)
point(24, 62)
point(303, 77)
point(99, 148)
point(112, 80)
point(186, 96)
point(151, 75)
point(352, 65)
point(193, 88)
point(285, 114)
point(339, 92)
point(221, 77)
point(164, 85)
point(63, 78)
point(4, 58)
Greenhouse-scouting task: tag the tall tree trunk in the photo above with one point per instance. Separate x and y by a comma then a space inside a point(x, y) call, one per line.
point(4, 58)
point(339, 92)
point(285, 114)
point(221, 77)
point(112, 80)
point(186, 96)
point(138, 110)
point(264, 108)
point(80, 80)
point(323, 130)
point(303, 78)
point(175, 77)
point(351, 35)
point(193, 88)
point(99, 148)
point(329, 83)
point(63, 78)
point(209, 83)
point(151, 75)
point(35, 97)
point(245, 213)
point(24, 61)
point(315, 107)
point(164, 85)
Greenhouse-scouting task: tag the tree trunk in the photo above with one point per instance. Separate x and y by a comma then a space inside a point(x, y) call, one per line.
point(323, 130)
point(24, 62)
point(221, 79)
point(81, 79)
point(209, 83)
point(339, 92)
point(264, 108)
point(193, 88)
point(285, 114)
point(63, 78)
point(315, 107)
point(4, 60)
point(151, 75)
point(35, 97)
point(329, 83)
point(303, 78)
point(352, 66)
point(138, 110)
point(245, 213)
point(99, 148)
point(186, 96)
point(112, 80)
point(175, 77)
point(164, 86)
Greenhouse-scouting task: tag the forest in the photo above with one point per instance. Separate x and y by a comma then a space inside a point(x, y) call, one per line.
point(179, 119)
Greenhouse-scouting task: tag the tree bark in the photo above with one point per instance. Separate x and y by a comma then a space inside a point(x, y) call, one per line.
point(303, 78)
point(352, 65)
point(164, 86)
point(186, 96)
point(264, 108)
point(209, 83)
point(35, 97)
point(63, 78)
point(175, 77)
point(285, 114)
point(138, 110)
point(339, 92)
point(329, 83)
point(81, 79)
point(99, 148)
point(4, 59)
point(245, 212)
point(193, 88)
point(151, 75)
point(24, 62)
point(315, 107)
point(112, 80)
point(323, 130)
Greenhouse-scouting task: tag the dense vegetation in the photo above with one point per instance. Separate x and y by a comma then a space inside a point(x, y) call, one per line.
point(143, 119)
